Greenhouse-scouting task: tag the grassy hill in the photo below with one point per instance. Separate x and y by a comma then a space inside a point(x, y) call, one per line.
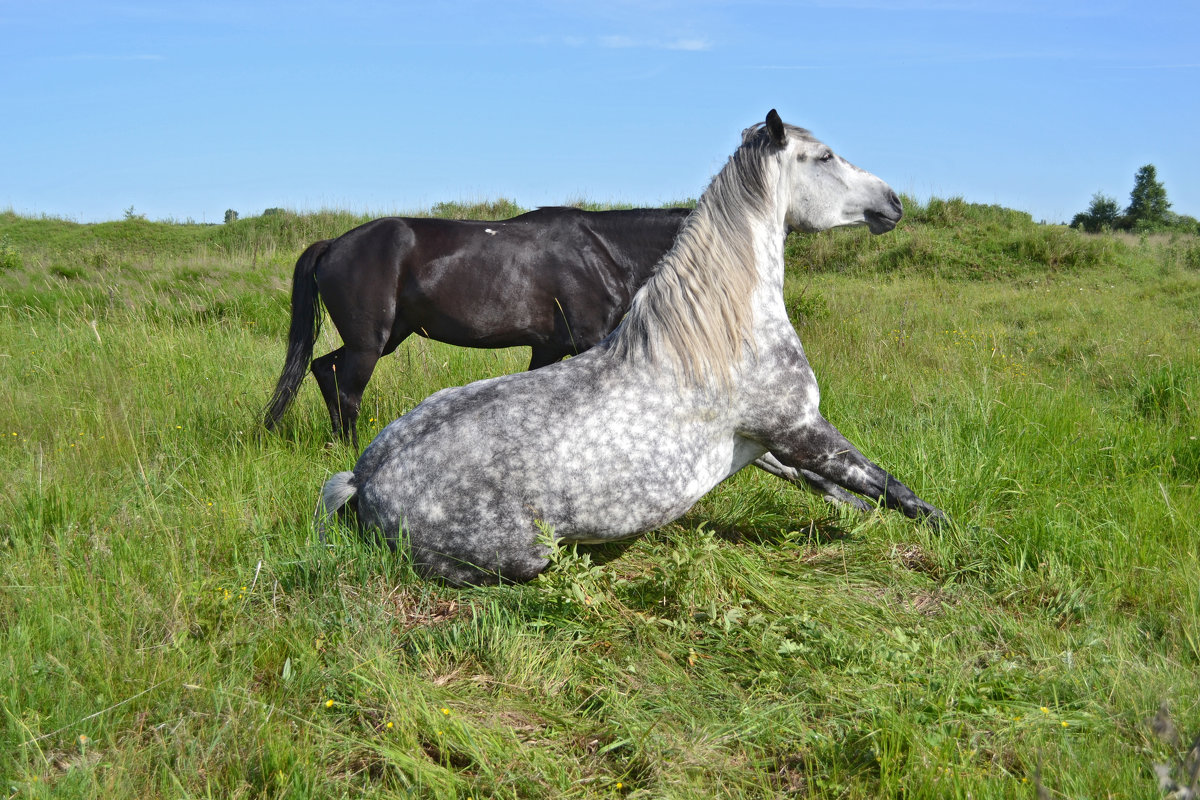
point(169, 626)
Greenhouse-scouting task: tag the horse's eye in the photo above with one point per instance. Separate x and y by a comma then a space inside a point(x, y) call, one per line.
point(827, 156)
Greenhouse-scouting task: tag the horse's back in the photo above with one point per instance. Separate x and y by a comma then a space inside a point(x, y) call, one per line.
point(538, 279)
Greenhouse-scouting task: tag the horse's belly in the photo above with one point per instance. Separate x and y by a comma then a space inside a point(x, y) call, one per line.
point(633, 497)
point(484, 329)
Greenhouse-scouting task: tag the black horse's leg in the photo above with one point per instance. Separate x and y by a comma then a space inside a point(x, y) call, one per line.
point(326, 370)
point(810, 481)
point(542, 355)
point(342, 376)
point(821, 449)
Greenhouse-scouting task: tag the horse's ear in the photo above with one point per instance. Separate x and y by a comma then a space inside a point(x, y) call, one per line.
point(775, 127)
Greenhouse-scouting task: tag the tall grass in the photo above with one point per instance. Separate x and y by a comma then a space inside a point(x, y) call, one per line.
point(171, 628)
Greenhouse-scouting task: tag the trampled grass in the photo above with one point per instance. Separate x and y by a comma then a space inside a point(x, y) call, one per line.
point(172, 628)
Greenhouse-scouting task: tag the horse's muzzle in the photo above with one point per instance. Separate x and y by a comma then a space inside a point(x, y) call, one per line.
point(884, 219)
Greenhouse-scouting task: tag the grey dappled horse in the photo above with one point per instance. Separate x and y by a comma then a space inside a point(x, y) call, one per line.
point(703, 376)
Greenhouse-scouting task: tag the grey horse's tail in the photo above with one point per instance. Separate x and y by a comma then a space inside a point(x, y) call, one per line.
point(302, 334)
point(336, 492)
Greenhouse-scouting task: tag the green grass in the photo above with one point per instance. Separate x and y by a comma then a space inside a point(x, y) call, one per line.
point(169, 626)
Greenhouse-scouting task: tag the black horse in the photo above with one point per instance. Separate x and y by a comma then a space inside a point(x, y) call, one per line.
point(557, 280)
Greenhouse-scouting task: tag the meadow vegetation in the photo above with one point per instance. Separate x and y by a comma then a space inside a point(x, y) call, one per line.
point(170, 626)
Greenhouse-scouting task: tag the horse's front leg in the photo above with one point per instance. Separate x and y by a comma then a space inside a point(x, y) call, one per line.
point(544, 355)
point(810, 481)
point(819, 448)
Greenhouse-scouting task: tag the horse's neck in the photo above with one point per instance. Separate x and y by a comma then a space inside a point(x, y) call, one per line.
point(768, 236)
point(723, 278)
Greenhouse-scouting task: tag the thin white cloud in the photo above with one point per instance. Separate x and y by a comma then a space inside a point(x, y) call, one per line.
point(691, 44)
point(113, 57)
point(617, 41)
point(694, 45)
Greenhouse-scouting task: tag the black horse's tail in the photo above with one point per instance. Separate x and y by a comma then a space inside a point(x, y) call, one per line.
point(302, 335)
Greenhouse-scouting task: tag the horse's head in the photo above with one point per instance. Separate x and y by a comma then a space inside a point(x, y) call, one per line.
point(822, 190)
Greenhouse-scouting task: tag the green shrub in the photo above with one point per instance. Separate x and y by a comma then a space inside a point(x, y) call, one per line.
point(501, 208)
point(9, 257)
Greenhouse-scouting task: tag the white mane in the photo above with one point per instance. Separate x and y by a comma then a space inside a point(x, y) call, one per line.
point(694, 313)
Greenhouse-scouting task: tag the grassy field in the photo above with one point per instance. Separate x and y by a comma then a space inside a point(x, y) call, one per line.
point(169, 626)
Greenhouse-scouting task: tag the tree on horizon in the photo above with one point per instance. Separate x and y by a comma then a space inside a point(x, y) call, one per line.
point(1148, 204)
point(1148, 209)
point(1101, 215)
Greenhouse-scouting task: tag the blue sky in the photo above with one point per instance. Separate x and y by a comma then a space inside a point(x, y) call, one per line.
point(184, 110)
